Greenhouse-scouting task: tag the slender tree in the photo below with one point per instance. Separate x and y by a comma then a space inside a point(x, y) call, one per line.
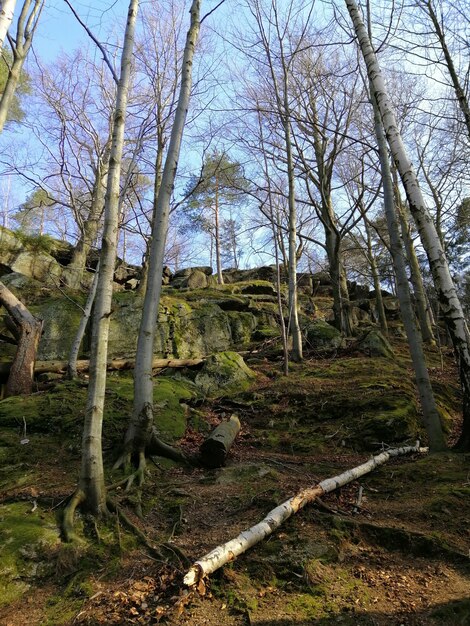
point(141, 432)
point(27, 24)
point(91, 492)
point(446, 291)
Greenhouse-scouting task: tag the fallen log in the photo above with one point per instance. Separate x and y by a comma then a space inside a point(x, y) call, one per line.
point(214, 450)
point(42, 367)
point(229, 551)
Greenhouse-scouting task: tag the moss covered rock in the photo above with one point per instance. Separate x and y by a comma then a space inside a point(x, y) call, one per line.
point(323, 336)
point(375, 344)
point(26, 541)
point(223, 373)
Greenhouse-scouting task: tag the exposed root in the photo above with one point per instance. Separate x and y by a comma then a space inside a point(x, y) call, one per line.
point(115, 508)
point(69, 513)
point(156, 447)
point(123, 461)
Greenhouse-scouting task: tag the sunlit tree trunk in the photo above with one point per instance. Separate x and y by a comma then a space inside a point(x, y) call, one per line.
point(140, 429)
point(7, 8)
point(25, 29)
point(445, 289)
point(415, 273)
point(220, 277)
point(91, 482)
point(375, 277)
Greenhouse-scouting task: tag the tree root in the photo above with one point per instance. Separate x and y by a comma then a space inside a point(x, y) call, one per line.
point(69, 513)
point(156, 447)
point(115, 508)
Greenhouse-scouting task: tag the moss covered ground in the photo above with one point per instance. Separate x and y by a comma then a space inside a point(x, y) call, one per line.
point(398, 557)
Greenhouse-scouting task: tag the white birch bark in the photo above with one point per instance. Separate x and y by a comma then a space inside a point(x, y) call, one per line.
point(140, 427)
point(431, 418)
point(7, 8)
point(447, 294)
point(92, 474)
point(25, 30)
point(229, 551)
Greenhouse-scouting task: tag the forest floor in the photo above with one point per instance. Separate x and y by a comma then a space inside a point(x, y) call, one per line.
point(399, 558)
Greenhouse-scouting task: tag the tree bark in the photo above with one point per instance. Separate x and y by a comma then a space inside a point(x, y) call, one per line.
point(25, 30)
point(140, 427)
point(7, 8)
point(214, 450)
point(431, 418)
point(72, 368)
point(446, 292)
point(91, 481)
point(229, 551)
point(27, 331)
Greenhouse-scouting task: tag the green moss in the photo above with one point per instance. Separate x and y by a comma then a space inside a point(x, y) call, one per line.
point(223, 373)
point(169, 396)
point(321, 335)
point(25, 542)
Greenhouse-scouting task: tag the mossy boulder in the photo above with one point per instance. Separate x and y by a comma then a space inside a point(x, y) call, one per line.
point(375, 344)
point(323, 336)
point(224, 373)
point(27, 540)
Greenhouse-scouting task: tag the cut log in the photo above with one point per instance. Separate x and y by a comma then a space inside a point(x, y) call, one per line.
point(214, 450)
point(229, 551)
point(27, 330)
point(42, 367)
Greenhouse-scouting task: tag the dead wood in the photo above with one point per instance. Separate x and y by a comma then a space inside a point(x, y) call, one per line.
point(214, 450)
point(229, 551)
point(27, 330)
point(42, 367)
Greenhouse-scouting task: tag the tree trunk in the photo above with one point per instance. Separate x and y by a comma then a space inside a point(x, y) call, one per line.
point(91, 481)
point(416, 277)
point(214, 450)
point(140, 427)
point(27, 330)
point(375, 277)
point(229, 551)
point(72, 371)
point(218, 261)
point(25, 30)
point(446, 292)
point(459, 90)
point(75, 269)
point(431, 416)
point(7, 8)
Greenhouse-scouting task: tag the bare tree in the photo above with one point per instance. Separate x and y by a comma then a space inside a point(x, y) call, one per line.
point(141, 432)
point(444, 285)
point(91, 492)
point(20, 45)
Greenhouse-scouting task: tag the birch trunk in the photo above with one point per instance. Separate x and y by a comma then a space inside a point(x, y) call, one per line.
point(218, 261)
point(91, 481)
point(140, 428)
point(7, 8)
point(446, 292)
point(27, 330)
point(431, 416)
point(416, 277)
point(25, 30)
point(229, 551)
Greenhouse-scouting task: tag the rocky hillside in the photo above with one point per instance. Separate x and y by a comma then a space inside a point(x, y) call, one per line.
point(396, 555)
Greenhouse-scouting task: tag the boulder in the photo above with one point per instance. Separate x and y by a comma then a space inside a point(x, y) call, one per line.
point(323, 336)
point(374, 344)
point(224, 373)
